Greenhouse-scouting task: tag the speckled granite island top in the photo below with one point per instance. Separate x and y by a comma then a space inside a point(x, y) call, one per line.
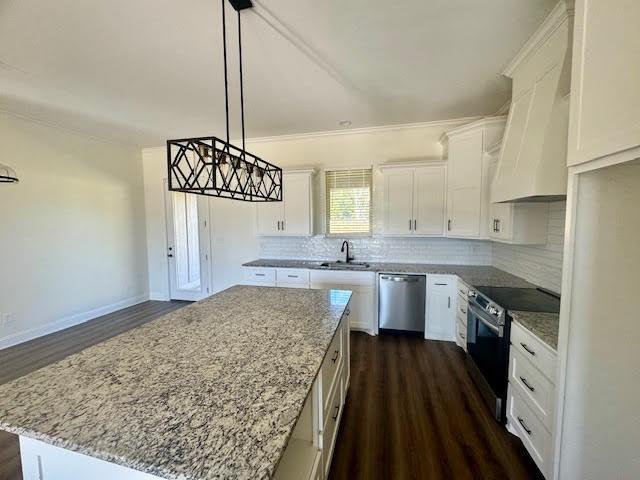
point(543, 325)
point(473, 275)
point(212, 390)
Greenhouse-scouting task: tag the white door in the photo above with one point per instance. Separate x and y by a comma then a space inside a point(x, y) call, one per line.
point(270, 217)
point(398, 201)
point(297, 204)
point(441, 308)
point(429, 200)
point(187, 245)
point(465, 184)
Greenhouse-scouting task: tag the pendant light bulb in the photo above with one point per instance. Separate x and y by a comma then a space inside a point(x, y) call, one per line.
point(223, 164)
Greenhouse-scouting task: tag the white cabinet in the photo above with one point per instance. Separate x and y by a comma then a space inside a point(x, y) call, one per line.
point(363, 300)
point(259, 276)
point(531, 395)
point(294, 215)
point(605, 113)
point(440, 318)
point(519, 223)
point(414, 199)
point(467, 176)
point(292, 277)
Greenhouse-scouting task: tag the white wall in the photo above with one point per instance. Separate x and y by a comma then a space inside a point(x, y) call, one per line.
point(539, 264)
point(71, 232)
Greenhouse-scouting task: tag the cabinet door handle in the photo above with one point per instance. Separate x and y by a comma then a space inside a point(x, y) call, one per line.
point(528, 349)
point(292, 276)
point(335, 357)
point(278, 223)
point(283, 227)
point(524, 425)
point(498, 224)
point(494, 226)
point(335, 417)
point(448, 302)
point(409, 224)
point(259, 274)
point(449, 225)
point(415, 225)
point(526, 384)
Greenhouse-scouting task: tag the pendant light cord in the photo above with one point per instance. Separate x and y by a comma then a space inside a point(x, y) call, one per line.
point(241, 84)
point(226, 80)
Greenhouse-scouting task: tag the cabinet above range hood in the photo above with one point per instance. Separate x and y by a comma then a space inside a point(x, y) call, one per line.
point(533, 159)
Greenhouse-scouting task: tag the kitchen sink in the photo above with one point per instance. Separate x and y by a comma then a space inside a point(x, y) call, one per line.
point(345, 265)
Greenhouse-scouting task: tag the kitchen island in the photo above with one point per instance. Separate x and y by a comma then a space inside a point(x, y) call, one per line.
point(249, 383)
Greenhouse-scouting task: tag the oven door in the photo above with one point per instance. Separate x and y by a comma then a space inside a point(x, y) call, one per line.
point(487, 347)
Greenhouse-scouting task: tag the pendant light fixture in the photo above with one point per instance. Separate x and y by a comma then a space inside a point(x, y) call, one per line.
point(8, 174)
point(214, 167)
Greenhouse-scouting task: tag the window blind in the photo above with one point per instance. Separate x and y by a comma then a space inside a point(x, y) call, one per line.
point(348, 201)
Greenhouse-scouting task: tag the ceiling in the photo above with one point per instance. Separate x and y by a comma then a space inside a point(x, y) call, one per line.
point(146, 70)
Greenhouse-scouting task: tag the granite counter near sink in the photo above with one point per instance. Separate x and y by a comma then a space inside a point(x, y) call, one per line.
point(472, 275)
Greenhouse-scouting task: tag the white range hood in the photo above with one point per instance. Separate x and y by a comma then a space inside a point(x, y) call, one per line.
point(533, 160)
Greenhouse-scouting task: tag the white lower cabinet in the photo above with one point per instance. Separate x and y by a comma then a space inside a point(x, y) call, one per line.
point(259, 276)
point(531, 395)
point(363, 301)
point(440, 317)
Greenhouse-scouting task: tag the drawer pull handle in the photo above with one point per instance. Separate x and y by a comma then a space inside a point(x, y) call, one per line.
point(463, 310)
point(335, 417)
point(463, 293)
point(292, 276)
point(335, 357)
point(259, 274)
point(526, 384)
point(526, 347)
point(441, 284)
point(524, 425)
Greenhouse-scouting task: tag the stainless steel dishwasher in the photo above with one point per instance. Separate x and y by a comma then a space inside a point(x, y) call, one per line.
point(401, 302)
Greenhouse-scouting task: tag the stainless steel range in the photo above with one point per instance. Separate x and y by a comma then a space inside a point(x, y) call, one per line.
point(488, 331)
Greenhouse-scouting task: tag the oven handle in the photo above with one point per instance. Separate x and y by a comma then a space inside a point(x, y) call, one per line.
point(491, 327)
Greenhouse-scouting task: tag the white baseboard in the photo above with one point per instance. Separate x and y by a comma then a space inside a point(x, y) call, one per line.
point(25, 336)
point(163, 297)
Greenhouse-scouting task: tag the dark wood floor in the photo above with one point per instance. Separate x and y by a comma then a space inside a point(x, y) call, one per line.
point(412, 410)
point(27, 357)
point(413, 413)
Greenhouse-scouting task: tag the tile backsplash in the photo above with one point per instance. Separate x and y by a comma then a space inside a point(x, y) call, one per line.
point(539, 264)
point(380, 249)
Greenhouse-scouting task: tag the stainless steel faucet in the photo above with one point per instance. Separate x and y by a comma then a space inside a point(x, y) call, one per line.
point(347, 257)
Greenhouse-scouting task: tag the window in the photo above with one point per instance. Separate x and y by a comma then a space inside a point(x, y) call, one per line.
point(348, 202)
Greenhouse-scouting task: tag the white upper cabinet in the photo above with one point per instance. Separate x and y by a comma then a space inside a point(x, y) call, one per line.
point(429, 199)
point(294, 215)
point(398, 201)
point(414, 199)
point(605, 106)
point(468, 178)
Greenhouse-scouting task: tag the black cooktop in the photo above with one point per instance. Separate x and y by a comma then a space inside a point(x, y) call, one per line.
point(526, 299)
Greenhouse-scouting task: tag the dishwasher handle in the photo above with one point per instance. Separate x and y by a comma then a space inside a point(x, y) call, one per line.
point(408, 279)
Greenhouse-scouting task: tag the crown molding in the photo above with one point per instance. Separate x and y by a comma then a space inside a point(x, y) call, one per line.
point(429, 162)
point(560, 13)
point(364, 130)
point(483, 122)
point(494, 148)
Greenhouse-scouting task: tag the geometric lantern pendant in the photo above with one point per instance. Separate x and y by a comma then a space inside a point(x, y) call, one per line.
point(210, 166)
point(214, 167)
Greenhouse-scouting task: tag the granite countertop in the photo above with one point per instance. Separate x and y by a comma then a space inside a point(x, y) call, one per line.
point(543, 325)
point(472, 275)
point(212, 390)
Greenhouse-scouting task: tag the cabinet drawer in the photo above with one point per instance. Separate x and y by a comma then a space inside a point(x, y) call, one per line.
point(330, 430)
point(534, 350)
point(461, 334)
point(260, 276)
point(292, 277)
point(533, 387)
point(534, 436)
point(463, 290)
point(330, 367)
point(461, 312)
